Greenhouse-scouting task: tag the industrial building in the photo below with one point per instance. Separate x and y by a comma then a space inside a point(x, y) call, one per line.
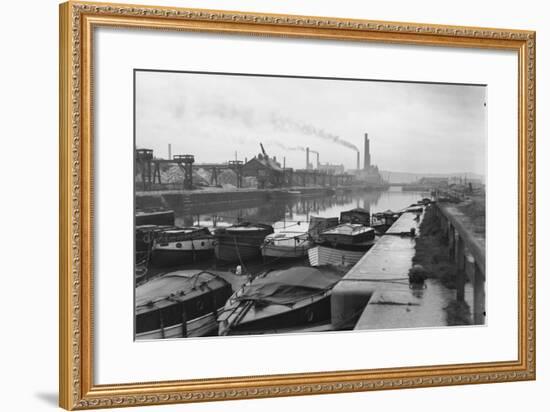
point(331, 169)
point(262, 170)
point(434, 181)
point(369, 173)
point(267, 170)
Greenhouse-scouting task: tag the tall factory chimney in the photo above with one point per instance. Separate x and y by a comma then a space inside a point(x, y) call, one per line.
point(169, 151)
point(317, 160)
point(358, 161)
point(307, 158)
point(366, 165)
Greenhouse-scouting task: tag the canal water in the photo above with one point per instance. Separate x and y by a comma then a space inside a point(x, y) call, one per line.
point(289, 213)
point(293, 214)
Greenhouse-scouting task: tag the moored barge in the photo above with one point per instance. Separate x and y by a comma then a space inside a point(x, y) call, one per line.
point(154, 216)
point(286, 244)
point(318, 225)
point(342, 245)
point(178, 304)
point(356, 216)
point(382, 221)
point(240, 242)
point(280, 300)
point(182, 245)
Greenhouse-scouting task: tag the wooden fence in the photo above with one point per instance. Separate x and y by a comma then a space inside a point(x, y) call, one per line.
point(469, 256)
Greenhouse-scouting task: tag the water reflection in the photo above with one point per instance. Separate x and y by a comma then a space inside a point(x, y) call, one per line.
point(294, 211)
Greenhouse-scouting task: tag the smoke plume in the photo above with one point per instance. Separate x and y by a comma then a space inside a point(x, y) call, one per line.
point(285, 147)
point(253, 118)
point(286, 124)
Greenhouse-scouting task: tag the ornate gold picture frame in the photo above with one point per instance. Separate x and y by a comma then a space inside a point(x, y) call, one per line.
point(78, 20)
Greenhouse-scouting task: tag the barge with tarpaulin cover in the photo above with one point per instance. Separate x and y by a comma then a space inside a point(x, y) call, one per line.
point(281, 301)
point(183, 303)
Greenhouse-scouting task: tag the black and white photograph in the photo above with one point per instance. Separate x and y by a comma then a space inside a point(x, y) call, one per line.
point(275, 205)
point(270, 204)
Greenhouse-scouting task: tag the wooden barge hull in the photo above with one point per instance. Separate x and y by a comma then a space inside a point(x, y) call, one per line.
point(180, 304)
point(160, 218)
point(203, 326)
point(288, 252)
point(240, 242)
point(172, 257)
point(324, 255)
point(236, 251)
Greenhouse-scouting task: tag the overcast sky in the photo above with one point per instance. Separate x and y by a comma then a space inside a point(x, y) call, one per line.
point(419, 128)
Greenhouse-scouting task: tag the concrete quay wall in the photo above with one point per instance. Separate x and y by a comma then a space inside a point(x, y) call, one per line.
point(376, 294)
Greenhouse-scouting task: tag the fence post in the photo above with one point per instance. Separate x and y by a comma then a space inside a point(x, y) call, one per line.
point(443, 222)
point(479, 296)
point(452, 242)
point(460, 272)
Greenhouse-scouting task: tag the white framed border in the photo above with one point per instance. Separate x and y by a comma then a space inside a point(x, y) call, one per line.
point(118, 51)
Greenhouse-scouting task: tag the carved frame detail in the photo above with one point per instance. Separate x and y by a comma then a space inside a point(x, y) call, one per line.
point(77, 20)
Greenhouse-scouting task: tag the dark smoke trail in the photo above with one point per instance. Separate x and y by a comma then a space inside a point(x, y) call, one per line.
point(250, 117)
point(290, 148)
point(287, 124)
point(225, 111)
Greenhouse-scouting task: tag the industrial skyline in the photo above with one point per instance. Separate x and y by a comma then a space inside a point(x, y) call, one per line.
point(412, 127)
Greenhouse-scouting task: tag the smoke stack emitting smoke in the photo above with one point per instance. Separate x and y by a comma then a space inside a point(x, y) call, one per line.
point(299, 149)
point(251, 118)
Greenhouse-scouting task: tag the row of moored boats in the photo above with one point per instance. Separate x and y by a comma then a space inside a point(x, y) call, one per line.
point(187, 303)
point(327, 240)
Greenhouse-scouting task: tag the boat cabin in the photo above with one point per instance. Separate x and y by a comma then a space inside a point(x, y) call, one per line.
point(347, 234)
point(146, 234)
point(179, 234)
point(318, 224)
point(383, 220)
point(357, 216)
